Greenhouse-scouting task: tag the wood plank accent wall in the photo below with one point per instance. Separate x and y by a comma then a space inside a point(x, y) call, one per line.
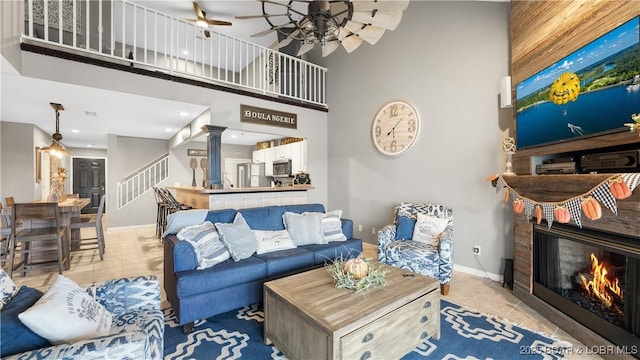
point(543, 32)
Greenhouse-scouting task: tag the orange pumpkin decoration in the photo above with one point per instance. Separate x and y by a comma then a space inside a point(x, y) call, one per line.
point(561, 214)
point(518, 206)
point(619, 189)
point(506, 194)
point(538, 214)
point(591, 208)
point(356, 268)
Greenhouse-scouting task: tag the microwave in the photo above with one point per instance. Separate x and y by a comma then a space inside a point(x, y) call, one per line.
point(282, 168)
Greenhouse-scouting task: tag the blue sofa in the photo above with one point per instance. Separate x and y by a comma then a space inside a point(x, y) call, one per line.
point(199, 294)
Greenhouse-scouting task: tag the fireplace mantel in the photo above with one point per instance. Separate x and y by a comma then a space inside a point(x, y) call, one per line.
point(551, 188)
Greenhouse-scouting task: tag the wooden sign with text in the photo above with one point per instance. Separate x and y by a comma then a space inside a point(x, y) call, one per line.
point(256, 115)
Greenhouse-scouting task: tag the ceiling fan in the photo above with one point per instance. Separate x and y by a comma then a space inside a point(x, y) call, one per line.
point(329, 23)
point(202, 21)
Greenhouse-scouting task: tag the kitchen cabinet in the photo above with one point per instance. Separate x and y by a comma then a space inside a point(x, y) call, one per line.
point(296, 151)
point(259, 156)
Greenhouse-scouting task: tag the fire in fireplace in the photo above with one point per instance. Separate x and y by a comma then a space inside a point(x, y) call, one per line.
point(592, 276)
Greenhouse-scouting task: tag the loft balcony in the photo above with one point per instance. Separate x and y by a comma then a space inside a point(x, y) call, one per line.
point(125, 35)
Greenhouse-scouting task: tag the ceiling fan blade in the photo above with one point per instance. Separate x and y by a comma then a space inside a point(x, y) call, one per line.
point(368, 33)
point(218, 22)
point(198, 10)
point(351, 43)
point(385, 19)
point(380, 5)
point(243, 17)
point(292, 36)
point(305, 48)
point(330, 47)
point(190, 20)
point(262, 33)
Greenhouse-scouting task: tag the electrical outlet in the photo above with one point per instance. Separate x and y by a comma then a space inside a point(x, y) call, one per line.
point(373, 231)
point(360, 228)
point(476, 250)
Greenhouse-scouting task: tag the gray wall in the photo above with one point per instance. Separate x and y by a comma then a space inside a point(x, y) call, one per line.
point(125, 155)
point(446, 58)
point(18, 161)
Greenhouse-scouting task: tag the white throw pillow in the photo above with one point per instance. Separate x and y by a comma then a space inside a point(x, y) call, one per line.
point(206, 242)
point(67, 314)
point(428, 229)
point(7, 289)
point(269, 241)
point(304, 229)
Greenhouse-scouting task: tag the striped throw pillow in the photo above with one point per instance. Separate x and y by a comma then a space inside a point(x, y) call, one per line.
point(205, 240)
point(332, 226)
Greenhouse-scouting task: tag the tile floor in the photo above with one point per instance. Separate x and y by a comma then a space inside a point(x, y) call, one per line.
point(136, 251)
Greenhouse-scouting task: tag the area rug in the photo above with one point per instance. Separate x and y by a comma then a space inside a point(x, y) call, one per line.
point(464, 334)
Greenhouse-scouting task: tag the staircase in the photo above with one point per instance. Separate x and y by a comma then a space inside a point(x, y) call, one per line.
point(142, 180)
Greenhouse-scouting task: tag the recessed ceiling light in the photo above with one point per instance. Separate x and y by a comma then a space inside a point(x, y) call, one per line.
point(89, 145)
point(75, 131)
point(184, 113)
point(185, 52)
point(168, 129)
point(234, 136)
point(90, 113)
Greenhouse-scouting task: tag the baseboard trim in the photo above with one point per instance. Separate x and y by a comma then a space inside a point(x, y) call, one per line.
point(472, 271)
point(131, 227)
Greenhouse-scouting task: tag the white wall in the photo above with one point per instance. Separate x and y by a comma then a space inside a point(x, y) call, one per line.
point(446, 58)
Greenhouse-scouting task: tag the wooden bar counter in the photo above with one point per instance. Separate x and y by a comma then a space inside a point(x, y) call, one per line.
point(240, 198)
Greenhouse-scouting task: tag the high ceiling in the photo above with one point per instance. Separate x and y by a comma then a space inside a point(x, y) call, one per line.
point(26, 100)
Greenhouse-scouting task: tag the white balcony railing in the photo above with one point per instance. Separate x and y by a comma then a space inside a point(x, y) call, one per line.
point(118, 30)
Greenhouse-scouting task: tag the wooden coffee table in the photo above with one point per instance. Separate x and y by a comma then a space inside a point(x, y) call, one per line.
point(307, 317)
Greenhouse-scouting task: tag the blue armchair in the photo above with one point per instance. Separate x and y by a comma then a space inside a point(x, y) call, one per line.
point(396, 247)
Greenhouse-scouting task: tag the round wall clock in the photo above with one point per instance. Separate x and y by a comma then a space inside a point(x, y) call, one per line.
point(395, 128)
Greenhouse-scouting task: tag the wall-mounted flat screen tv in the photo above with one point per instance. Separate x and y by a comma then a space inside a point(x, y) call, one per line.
point(591, 92)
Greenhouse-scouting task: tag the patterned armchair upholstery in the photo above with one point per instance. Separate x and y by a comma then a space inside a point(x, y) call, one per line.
point(419, 257)
point(137, 329)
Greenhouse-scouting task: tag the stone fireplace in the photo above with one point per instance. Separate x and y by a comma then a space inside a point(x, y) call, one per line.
point(553, 264)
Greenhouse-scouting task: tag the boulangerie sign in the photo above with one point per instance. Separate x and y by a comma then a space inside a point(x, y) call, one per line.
point(256, 115)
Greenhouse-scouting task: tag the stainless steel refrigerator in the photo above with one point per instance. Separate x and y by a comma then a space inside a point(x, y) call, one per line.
point(252, 175)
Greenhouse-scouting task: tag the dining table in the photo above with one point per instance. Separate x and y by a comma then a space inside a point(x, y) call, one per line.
point(68, 208)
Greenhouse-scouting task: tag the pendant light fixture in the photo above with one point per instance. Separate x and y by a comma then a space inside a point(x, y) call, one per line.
point(56, 149)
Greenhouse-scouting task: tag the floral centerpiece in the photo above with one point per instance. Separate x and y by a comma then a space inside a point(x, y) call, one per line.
point(356, 274)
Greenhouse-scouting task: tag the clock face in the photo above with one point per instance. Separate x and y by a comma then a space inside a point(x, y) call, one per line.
point(395, 128)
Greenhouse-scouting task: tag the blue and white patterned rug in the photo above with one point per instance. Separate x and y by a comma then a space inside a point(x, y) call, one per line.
point(465, 334)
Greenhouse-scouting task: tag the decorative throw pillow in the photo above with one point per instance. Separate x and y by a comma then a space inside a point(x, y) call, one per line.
point(428, 228)
point(332, 226)
point(404, 227)
point(67, 314)
point(237, 238)
point(206, 243)
point(268, 241)
point(7, 288)
point(14, 336)
point(304, 229)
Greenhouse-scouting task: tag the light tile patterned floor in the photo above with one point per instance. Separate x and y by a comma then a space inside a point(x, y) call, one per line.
point(131, 252)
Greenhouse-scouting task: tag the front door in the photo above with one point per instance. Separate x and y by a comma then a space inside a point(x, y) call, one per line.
point(88, 181)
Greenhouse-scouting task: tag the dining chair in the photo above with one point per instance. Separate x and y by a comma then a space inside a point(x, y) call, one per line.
point(9, 201)
point(5, 235)
point(90, 221)
point(39, 244)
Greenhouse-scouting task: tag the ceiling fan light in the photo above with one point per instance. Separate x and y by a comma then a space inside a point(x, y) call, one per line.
point(202, 23)
point(305, 48)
